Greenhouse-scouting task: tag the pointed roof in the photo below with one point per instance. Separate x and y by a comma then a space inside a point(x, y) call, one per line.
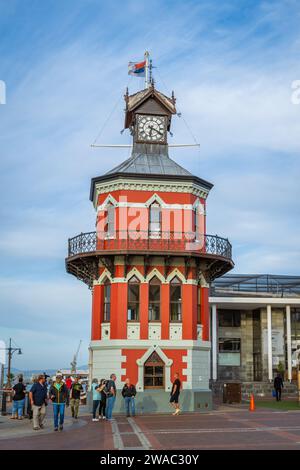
point(137, 99)
point(151, 164)
point(148, 166)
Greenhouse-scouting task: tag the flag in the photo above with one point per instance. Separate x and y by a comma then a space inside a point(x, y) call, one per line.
point(137, 69)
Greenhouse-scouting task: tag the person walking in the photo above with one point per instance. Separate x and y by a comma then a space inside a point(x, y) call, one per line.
point(129, 393)
point(38, 397)
point(18, 399)
point(102, 406)
point(175, 392)
point(69, 382)
point(111, 392)
point(76, 389)
point(96, 398)
point(278, 385)
point(59, 395)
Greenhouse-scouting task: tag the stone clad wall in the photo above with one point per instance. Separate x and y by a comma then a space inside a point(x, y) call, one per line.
point(245, 371)
point(246, 346)
point(277, 324)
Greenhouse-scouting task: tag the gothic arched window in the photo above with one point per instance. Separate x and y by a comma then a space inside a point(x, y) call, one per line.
point(110, 225)
point(196, 222)
point(155, 219)
point(175, 299)
point(133, 309)
point(154, 299)
point(154, 372)
point(106, 301)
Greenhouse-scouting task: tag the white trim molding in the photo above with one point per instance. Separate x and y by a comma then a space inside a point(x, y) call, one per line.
point(105, 274)
point(176, 273)
point(109, 199)
point(152, 185)
point(155, 273)
point(135, 272)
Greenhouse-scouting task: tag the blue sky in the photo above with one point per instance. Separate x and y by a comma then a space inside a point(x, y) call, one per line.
point(64, 63)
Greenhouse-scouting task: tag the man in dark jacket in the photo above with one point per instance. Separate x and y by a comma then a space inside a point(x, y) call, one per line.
point(111, 393)
point(129, 393)
point(75, 391)
point(278, 385)
point(59, 395)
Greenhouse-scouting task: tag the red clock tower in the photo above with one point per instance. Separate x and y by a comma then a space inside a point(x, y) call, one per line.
point(149, 265)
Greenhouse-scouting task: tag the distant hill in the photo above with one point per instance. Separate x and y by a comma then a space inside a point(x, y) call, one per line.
point(27, 374)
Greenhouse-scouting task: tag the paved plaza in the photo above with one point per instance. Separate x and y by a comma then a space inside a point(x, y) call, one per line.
point(224, 428)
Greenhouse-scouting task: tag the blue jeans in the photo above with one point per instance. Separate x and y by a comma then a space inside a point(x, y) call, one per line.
point(58, 410)
point(110, 402)
point(18, 407)
point(96, 403)
point(129, 404)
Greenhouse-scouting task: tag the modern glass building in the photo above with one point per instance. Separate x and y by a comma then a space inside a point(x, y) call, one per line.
point(255, 327)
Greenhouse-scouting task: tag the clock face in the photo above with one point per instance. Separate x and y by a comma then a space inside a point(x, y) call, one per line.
point(151, 128)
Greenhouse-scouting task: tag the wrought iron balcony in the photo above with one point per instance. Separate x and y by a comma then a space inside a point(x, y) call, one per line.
point(143, 241)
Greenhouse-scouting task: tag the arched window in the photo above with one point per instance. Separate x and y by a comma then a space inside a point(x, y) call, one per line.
point(155, 219)
point(196, 222)
point(133, 310)
point(106, 301)
point(199, 304)
point(154, 372)
point(154, 299)
point(175, 300)
point(110, 225)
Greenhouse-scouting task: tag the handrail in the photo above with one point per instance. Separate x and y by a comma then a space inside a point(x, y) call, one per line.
point(139, 240)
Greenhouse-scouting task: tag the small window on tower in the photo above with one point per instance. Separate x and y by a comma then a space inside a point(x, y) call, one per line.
point(154, 299)
point(196, 223)
point(133, 299)
point(110, 226)
point(106, 306)
point(155, 219)
point(199, 305)
point(175, 300)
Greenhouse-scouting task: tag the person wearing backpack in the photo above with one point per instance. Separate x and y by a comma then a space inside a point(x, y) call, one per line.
point(111, 392)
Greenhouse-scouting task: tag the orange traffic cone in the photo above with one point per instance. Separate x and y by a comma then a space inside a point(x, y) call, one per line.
point(252, 404)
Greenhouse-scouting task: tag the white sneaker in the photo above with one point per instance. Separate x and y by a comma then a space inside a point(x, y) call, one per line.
point(103, 417)
point(95, 419)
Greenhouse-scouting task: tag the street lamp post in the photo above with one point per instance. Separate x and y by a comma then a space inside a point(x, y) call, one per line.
point(10, 353)
point(10, 350)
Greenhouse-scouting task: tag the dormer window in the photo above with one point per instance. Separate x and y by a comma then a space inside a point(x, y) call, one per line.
point(110, 225)
point(155, 219)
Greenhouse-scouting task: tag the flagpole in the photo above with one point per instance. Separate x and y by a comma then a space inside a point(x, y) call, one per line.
point(146, 55)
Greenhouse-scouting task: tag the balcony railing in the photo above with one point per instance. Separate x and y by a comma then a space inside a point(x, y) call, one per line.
point(143, 241)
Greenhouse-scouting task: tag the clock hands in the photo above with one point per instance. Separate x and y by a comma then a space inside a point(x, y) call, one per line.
point(152, 128)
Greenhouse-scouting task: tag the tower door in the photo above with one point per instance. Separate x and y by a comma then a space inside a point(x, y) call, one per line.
point(154, 372)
